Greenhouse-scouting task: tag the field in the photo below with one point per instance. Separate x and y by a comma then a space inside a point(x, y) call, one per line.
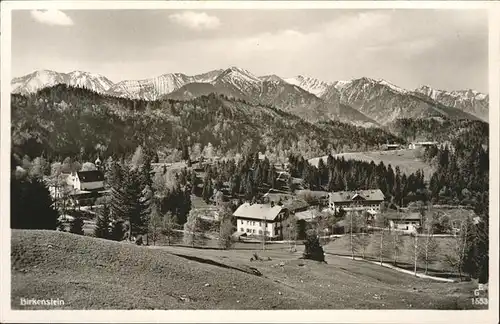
point(405, 159)
point(341, 246)
point(90, 273)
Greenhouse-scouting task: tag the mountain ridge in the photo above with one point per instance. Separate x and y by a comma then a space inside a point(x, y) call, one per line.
point(363, 101)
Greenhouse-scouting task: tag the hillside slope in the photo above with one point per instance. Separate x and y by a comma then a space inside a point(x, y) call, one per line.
point(384, 102)
point(63, 120)
point(89, 273)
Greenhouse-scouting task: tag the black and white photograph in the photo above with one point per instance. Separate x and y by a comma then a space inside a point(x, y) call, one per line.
point(198, 156)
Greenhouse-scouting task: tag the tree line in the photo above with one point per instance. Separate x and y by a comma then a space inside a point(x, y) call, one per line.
point(339, 174)
point(61, 121)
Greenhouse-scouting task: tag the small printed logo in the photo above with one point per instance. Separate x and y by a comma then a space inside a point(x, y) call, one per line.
point(41, 302)
point(480, 295)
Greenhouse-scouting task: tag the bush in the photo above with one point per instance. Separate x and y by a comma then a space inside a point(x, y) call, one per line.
point(76, 226)
point(117, 231)
point(313, 249)
point(31, 205)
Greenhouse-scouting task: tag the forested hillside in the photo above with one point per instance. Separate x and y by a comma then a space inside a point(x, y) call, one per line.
point(439, 129)
point(63, 121)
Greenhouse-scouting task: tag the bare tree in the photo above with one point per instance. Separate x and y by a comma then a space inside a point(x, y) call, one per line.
point(363, 240)
point(351, 225)
point(381, 247)
point(154, 225)
point(458, 247)
point(226, 227)
point(290, 231)
point(168, 227)
point(430, 247)
point(192, 229)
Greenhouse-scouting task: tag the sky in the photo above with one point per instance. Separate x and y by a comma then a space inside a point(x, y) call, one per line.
point(445, 49)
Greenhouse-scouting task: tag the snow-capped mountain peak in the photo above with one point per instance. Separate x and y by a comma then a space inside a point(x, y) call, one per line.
point(341, 84)
point(470, 101)
point(391, 86)
point(271, 78)
point(46, 78)
point(243, 80)
point(92, 81)
point(312, 85)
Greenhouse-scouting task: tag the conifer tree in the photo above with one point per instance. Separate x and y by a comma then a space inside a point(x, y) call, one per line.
point(102, 228)
point(76, 226)
point(313, 249)
point(207, 189)
point(31, 204)
point(117, 230)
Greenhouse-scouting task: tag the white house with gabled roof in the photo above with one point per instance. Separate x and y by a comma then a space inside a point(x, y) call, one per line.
point(260, 219)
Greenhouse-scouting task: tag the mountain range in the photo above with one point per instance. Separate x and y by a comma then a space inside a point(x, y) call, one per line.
point(363, 101)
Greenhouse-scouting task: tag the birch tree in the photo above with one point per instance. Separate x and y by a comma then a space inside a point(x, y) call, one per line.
point(458, 246)
point(380, 244)
point(351, 225)
point(168, 227)
point(154, 225)
point(192, 230)
point(290, 231)
point(430, 246)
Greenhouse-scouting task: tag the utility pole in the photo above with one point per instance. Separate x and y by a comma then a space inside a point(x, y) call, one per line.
point(264, 234)
point(416, 247)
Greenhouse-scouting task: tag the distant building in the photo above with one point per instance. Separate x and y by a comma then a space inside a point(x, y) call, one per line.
point(408, 222)
point(88, 180)
point(416, 145)
point(358, 200)
point(288, 201)
point(392, 147)
point(306, 215)
point(260, 219)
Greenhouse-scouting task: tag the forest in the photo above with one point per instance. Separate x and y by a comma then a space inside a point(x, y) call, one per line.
point(62, 121)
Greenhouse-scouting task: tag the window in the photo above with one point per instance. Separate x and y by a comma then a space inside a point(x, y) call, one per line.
point(242, 229)
point(253, 231)
point(260, 232)
point(248, 230)
point(260, 223)
point(241, 222)
point(267, 232)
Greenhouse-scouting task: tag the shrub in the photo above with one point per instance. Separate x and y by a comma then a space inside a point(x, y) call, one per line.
point(76, 226)
point(117, 231)
point(313, 249)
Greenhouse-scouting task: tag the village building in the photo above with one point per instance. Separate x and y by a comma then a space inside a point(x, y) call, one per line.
point(88, 180)
point(406, 222)
point(392, 147)
point(288, 201)
point(260, 219)
point(416, 145)
point(358, 200)
point(308, 215)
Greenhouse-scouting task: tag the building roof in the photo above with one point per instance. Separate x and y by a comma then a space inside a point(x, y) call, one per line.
point(295, 204)
point(346, 196)
point(90, 176)
point(306, 215)
point(403, 216)
point(425, 143)
point(258, 211)
point(276, 196)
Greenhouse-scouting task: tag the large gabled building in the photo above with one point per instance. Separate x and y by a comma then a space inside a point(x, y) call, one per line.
point(358, 200)
point(88, 180)
point(260, 219)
